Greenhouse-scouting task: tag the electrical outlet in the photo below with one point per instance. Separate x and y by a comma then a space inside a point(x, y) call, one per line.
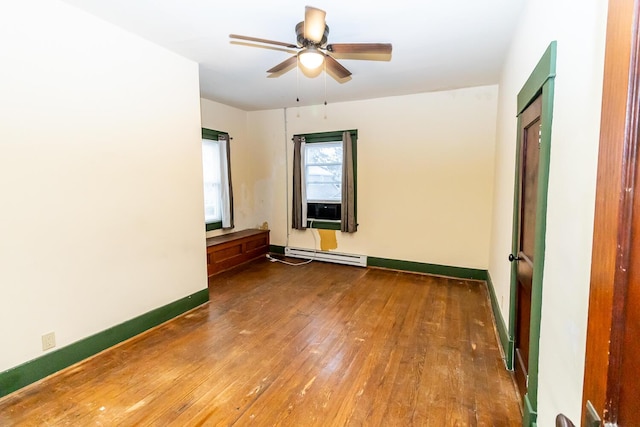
point(48, 341)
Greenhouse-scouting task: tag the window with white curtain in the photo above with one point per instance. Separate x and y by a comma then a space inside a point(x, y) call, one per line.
point(212, 182)
point(216, 171)
point(324, 181)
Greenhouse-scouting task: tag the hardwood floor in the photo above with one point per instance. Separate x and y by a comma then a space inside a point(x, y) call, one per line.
point(317, 345)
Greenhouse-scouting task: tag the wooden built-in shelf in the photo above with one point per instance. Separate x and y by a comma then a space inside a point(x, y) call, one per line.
point(232, 249)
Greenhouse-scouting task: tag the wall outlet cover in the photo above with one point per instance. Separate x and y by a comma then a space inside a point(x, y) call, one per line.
point(48, 341)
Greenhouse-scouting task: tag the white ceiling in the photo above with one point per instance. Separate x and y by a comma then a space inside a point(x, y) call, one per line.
point(437, 45)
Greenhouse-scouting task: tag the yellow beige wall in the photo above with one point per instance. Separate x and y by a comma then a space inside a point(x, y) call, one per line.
point(425, 173)
point(579, 29)
point(100, 177)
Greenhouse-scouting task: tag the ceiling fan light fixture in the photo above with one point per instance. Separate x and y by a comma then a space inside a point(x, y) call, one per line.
point(313, 50)
point(311, 58)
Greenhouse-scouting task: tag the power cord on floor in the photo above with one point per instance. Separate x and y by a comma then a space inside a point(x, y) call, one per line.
point(295, 264)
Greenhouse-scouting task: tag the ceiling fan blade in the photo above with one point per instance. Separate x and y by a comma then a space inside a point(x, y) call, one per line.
point(262, 46)
point(257, 40)
point(336, 68)
point(283, 65)
point(361, 48)
point(314, 23)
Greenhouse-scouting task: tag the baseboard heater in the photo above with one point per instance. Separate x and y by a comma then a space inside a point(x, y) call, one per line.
point(335, 257)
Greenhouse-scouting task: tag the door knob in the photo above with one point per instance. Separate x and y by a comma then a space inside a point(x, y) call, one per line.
point(513, 258)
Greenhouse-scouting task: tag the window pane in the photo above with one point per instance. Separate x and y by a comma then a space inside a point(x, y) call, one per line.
point(211, 175)
point(324, 192)
point(326, 152)
point(323, 171)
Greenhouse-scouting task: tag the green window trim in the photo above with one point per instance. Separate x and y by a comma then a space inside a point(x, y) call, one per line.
point(212, 135)
point(312, 138)
point(324, 225)
point(210, 226)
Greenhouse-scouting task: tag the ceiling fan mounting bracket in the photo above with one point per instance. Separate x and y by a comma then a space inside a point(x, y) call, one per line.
point(303, 42)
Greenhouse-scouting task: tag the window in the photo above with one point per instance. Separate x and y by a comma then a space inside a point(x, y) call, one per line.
point(321, 180)
point(323, 171)
point(211, 175)
point(218, 198)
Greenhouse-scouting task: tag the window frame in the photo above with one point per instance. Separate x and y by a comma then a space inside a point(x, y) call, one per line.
point(333, 136)
point(212, 135)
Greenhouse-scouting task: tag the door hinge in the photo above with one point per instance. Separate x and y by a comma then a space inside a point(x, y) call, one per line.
point(592, 419)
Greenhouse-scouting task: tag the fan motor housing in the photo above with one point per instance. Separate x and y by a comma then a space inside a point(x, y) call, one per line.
point(302, 41)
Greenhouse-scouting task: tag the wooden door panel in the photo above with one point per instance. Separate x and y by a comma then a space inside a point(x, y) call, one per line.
point(612, 359)
point(530, 124)
point(629, 410)
point(530, 188)
point(523, 327)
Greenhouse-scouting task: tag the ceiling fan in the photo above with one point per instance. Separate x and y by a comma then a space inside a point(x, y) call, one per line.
point(313, 49)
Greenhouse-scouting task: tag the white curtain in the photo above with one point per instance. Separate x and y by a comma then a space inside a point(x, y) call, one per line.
point(225, 181)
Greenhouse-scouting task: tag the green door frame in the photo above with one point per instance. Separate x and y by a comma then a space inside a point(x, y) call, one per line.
point(540, 82)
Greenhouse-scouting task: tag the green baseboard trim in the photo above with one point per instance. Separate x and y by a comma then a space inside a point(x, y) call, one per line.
point(420, 267)
point(529, 416)
point(414, 267)
point(503, 331)
point(275, 249)
point(43, 366)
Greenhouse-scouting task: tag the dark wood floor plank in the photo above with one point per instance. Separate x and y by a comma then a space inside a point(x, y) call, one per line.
point(314, 345)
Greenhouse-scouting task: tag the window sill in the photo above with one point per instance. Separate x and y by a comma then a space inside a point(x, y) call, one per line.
point(324, 225)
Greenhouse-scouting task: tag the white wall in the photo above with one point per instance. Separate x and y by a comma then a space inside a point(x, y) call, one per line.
point(425, 173)
point(100, 177)
point(579, 29)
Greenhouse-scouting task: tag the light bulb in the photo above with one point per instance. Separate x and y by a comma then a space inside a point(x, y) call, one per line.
point(311, 58)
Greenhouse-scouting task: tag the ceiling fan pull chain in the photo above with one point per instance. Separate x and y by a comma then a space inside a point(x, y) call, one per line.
point(298, 87)
point(298, 81)
point(325, 90)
